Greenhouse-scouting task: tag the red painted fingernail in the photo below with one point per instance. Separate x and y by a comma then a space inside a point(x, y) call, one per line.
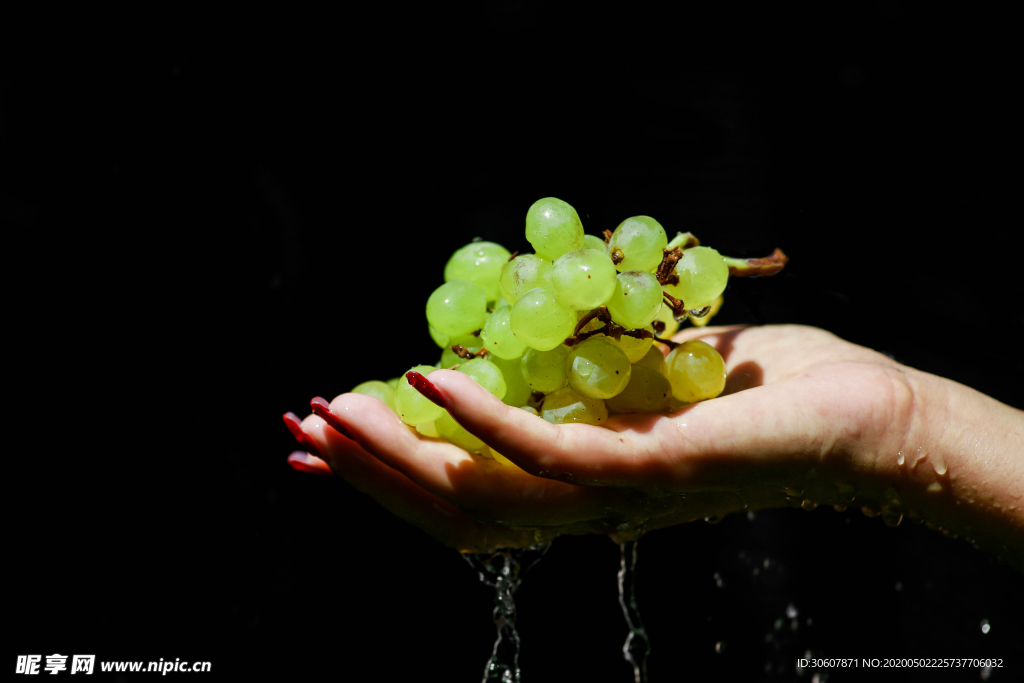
point(304, 462)
point(423, 385)
point(323, 409)
point(294, 425)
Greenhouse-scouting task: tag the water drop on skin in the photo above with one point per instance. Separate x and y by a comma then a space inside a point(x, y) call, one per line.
point(985, 626)
point(808, 505)
point(868, 512)
point(939, 464)
point(793, 492)
point(900, 459)
point(935, 487)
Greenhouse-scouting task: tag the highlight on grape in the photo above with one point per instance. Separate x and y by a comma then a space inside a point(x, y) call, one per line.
point(574, 331)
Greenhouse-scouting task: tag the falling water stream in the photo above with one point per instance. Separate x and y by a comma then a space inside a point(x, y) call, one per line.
point(503, 570)
point(637, 647)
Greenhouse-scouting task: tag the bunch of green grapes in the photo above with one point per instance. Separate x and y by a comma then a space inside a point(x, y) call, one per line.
point(568, 332)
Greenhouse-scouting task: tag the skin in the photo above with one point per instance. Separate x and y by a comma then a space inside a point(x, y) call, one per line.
point(805, 418)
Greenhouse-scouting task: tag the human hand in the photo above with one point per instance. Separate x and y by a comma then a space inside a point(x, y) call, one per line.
point(802, 419)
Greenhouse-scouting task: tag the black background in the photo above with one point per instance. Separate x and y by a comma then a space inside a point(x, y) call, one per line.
point(208, 221)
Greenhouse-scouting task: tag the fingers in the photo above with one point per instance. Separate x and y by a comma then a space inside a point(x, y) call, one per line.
point(405, 499)
point(483, 487)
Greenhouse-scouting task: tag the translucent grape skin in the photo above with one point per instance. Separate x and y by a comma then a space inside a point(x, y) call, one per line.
point(379, 390)
point(593, 242)
point(544, 371)
point(566, 406)
point(641, 239)
point(636, 300)
point(455, 433)
point(522, 274)
point(540, 321)
point(696, 371)
point(597, 368)
point(517, 391)
point(479, 263)
point(703, 275)
point(553, 228)
point(648, 391)
point(583, 279)
point(634, 347)
point(654, 359)
point(498, 338)
point(486, 374)
point(413, 407)
point(457, 307)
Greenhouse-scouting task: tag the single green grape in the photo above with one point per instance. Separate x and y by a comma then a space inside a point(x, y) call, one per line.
point(696, 371)
point(479, 263)
point(522, 274)
point(593, 242)
point(440, 339)
point(379, 390)
point(703, 275)
point(553, 228)
point(452, 431)
point(497, 335)
point(540, 321)
point(413, 407)
point(636, 299)
point(648, 391)
point(653, 359)
point(544, 371)
point(565, 405)
point(641, 239)
point(583, 279)
point(517, 391)
point(457, 307)
point(597, 368)
point(634, 347)
point(486, 374)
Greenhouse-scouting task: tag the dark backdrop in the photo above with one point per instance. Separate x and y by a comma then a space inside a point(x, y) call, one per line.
point(210, 221)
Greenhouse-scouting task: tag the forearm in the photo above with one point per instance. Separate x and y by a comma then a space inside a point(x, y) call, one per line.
point(958, 465)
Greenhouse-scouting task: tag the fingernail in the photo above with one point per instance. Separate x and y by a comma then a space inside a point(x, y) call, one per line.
point(322, 409)
point(423, 385)
point(294, 425)
point(304, 462)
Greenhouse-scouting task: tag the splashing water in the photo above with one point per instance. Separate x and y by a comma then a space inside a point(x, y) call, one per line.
point(637, 647)
point(503, 570)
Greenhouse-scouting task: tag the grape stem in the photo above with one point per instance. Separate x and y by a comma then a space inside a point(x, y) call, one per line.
point(666, 272)
point(462, 352)
point(757, 267)
point(611, 328)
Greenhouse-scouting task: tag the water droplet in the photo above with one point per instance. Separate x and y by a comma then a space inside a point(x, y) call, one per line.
point(718, 580)
point(868, 512)
point(845, 493)
point(791, 611)
point(714, 519)
point(719, 647)
point(839, 508)
point(939, 464)
point(935, 487)
point(750, 515)
point(900, 459)
point(891, 517)
point(793, 492)
point(985, 626)
point(807, 505)
point(792, 502)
